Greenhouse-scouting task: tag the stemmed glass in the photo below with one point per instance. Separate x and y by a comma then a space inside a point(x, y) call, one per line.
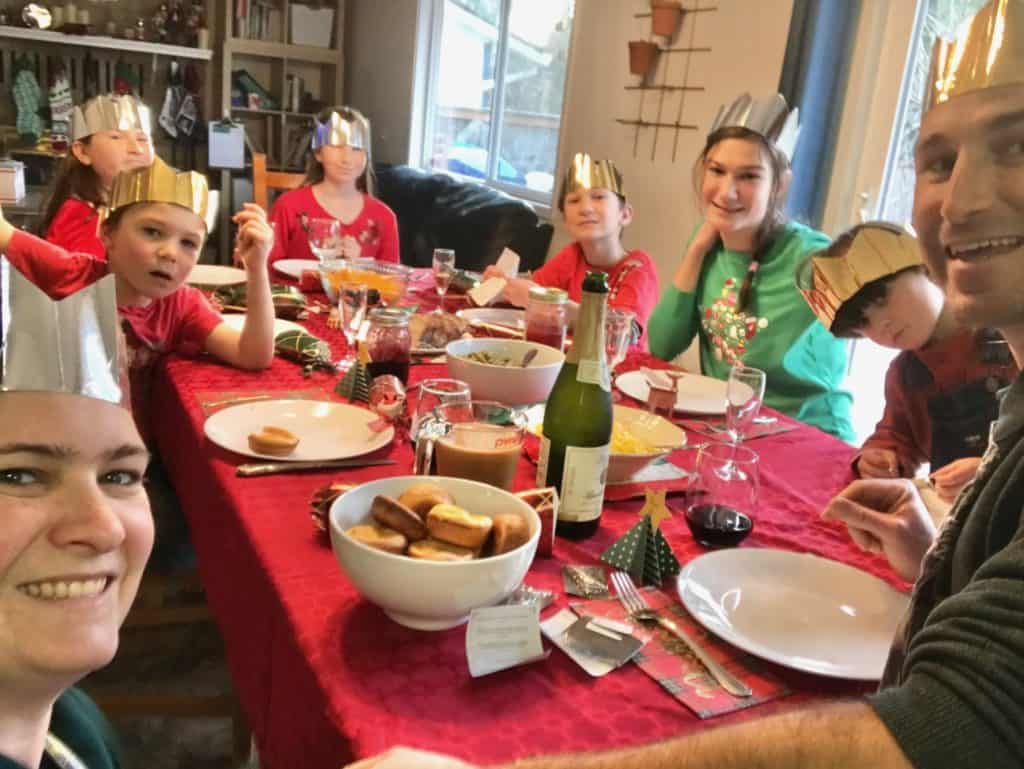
point(444, 270)
point(744, 393)
point(351, 311)
point(618, 335)
point(724, 515)
point(324, 238)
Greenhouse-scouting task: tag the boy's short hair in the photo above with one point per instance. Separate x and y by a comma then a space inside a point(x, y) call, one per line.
point(852, 315)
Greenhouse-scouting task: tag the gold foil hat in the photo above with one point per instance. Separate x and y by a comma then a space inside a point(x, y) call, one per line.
point(585, 173)
point(769, 116)
point(341, 126)
point(987, 51)
point(109, 112)
point(159, 183)
point(70, 346)
point(873, 250)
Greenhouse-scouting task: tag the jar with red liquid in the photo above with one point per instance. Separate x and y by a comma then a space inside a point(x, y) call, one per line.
point(389, 343)
point(547, 316)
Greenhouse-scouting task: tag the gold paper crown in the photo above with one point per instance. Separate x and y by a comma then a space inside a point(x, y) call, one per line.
point(987, 51)
point(159, 183)
point(341, 126)
point(769, 116)
point(874, 250)
point(585, 173)
point(109, 112)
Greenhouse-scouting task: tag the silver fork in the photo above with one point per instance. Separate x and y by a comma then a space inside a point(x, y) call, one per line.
point(639, 609)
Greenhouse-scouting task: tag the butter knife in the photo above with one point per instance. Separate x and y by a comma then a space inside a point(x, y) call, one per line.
point(251, 470)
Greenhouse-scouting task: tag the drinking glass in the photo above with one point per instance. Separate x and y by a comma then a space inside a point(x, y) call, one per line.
point(351, 312)
point(618, 335)
point(744, 393)
point(324, 238)
point(433, 393)
point(444, 271)
point(723, 515)
point(482, 441)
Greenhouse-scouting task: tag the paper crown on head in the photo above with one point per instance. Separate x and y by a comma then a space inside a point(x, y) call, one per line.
point(769, 116)
point(988, 51)
point(70, 346)
point(109, 112)
point(585, 173)
point(159, 183)
point(333, 127)
point(873, 250)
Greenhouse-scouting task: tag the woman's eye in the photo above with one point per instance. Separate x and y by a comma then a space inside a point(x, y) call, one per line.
point(121, 478)
point(18, 476)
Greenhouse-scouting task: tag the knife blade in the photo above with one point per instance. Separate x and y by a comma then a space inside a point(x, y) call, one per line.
point(253, 469)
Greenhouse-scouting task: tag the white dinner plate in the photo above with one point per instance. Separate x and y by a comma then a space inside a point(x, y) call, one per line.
point(237, 320)
point(795, 609)
point(293, 267)
point(325, 430)
point(502, 317)
point(215, 275)
point(696, 394)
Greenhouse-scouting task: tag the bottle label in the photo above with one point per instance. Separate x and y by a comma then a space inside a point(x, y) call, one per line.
point(583, 479)
point(593, 372)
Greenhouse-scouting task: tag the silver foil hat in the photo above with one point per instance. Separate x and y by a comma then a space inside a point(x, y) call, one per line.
point(109, 112)
point(340, 127)
point(70, 346)
point(769, 116)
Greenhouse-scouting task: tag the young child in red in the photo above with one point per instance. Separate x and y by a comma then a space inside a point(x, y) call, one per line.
point(596, 212)
point(110, 134)
point(338, 185)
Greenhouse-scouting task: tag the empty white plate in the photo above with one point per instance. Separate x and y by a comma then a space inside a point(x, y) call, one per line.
point(237, 320)
point(293, 267)
point(795, 609)
point(215, 275)
point(696, 394)
point(325, 430)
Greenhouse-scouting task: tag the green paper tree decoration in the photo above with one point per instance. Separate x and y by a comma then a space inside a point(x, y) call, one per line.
point(644, 553)
point(355, 385)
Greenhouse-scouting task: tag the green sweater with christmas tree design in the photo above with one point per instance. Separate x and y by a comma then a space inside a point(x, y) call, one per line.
point(777, 333)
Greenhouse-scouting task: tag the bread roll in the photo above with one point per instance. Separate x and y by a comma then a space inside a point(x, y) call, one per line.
point(457, 526)
point(380, 537)
point(393, 514)
point(436, 550)
point(509, 532)
point(421, 497)
point(273, 441)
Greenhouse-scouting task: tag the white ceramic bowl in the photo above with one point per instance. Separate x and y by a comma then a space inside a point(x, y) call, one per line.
point(650, 428)
point(430, 595)
point(511, 385)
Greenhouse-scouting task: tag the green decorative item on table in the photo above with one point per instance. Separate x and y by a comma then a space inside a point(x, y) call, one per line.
point(288, 301)
point(643, 552)
point(305, 349)
point(355, 385)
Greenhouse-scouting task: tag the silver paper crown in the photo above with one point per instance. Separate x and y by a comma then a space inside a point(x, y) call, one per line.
point(341, 126)
point(769, 116)
point(109, 112)
point(70, 346)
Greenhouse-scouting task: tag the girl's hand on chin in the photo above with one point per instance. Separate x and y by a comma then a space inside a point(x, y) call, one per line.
point(706, 238)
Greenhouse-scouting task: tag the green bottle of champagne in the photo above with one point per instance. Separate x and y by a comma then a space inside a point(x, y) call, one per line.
point(578, 420)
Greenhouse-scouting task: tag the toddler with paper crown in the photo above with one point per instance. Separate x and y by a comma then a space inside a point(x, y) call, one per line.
point(940, 391)
point(110, 134)
point(593, 202)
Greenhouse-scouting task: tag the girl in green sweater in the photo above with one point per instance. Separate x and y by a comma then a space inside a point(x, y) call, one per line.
point(735, 286)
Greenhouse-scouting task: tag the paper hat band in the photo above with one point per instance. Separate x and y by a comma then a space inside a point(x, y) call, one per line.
point(331, 127)
point(876, 250)
point(159, 183)
point(585, 173)
point(769, 116)
point(109, 112)
point(70, 346)
point(987, 51)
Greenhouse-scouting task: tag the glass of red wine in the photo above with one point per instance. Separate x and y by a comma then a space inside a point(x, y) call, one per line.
point(724, 514)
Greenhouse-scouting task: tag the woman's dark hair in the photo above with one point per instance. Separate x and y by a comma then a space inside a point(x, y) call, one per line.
point(367, 181)
point(774, 217)
point(74, 179)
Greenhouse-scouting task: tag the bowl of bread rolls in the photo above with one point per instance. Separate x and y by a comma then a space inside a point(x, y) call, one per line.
point(428, 550)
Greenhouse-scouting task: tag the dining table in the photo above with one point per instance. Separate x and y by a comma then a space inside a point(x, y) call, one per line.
point(325, 677)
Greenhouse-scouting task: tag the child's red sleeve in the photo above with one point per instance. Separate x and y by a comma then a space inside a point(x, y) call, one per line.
point(57, 272)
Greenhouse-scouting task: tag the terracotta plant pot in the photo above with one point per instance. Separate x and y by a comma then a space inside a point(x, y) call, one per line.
point(665, 16)
point(642, 56)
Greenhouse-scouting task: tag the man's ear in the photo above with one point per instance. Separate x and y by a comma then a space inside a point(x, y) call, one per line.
point(80, 152)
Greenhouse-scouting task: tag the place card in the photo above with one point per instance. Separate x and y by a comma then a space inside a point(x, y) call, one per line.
point(501, 637)
point(606, 641)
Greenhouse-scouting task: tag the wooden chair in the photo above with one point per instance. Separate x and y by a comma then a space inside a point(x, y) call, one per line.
point(263, 180)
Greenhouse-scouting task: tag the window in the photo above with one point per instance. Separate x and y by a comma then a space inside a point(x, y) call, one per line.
point(494, 100)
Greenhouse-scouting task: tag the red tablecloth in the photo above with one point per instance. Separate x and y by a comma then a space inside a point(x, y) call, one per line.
point(324, 676)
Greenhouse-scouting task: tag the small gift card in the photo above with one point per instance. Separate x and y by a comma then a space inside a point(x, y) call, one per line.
point(555, 629)
point(501, 637)
point(609, 641)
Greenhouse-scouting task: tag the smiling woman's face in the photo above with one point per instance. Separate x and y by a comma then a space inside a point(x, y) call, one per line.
point(736, 186)
point(77, 533)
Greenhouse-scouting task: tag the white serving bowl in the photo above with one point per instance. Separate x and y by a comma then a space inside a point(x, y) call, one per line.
point(511, 385)
point(650, 428)
point(430, 595)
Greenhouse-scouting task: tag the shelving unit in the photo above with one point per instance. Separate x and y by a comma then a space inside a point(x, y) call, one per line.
point(105, 42)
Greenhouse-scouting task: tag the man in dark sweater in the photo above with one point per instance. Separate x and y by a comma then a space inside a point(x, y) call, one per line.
point(953, 692)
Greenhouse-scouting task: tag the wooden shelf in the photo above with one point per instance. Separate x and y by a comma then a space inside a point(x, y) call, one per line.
point(266, 112)
point(664, 88)
point(102, 41)
point(310, 53)
point(680, 126)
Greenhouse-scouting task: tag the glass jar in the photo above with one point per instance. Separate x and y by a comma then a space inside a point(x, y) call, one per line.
point(389, 343)
point(547, 317)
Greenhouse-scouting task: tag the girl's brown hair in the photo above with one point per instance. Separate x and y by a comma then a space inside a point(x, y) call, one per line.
point(75, 179)
point(774, 217)
point(367, 181)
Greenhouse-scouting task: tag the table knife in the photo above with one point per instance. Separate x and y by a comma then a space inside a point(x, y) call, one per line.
point(269, 468)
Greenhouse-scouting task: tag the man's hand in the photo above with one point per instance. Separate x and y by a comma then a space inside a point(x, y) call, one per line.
point(949, 479)
point(878, 463)
point(886, 516)
point(255, 237)
point(407, 758)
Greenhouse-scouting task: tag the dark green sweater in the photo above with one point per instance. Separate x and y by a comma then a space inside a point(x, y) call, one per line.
point(78, 723)
point(953, 692)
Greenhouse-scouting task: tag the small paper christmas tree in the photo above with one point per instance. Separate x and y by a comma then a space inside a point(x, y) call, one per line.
point(355, 385)
point(643, 552)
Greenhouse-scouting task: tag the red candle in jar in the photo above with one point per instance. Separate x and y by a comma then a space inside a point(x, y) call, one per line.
point(389, 343)
point(547, 316)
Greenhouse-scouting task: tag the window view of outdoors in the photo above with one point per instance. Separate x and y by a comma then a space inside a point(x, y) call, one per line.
point(496, 122)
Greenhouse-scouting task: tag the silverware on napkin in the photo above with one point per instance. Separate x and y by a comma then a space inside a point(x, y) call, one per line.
point(269, 468)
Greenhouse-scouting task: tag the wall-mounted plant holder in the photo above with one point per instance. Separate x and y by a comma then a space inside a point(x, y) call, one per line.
point(665, 16)
point(643, 55)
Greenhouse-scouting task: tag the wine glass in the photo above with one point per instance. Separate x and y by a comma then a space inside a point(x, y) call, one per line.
point(351, 312)
point(744, 393)
point(444, 270)
point(724, 514)
point(618, 335)
point(433, 393)
point(324, 238)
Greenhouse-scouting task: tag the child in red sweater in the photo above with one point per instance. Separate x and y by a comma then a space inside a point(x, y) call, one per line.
point(338, 185)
